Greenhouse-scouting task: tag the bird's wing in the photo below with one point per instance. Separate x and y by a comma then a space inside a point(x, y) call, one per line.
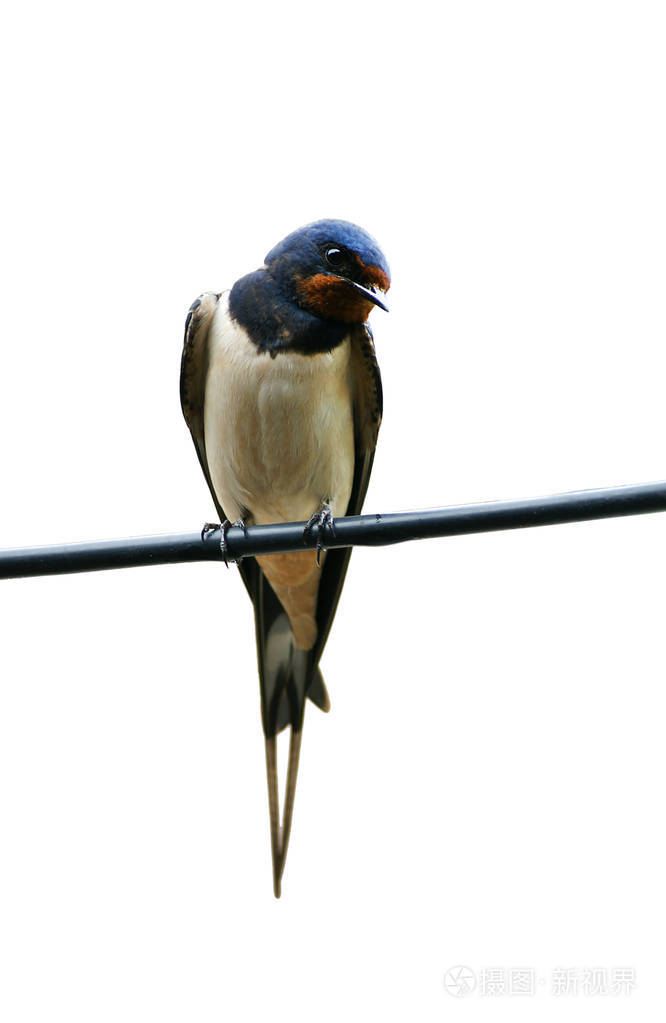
point(193, 370)
point(368, 407)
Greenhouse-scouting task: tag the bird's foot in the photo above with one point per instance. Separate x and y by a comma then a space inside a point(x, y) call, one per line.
point(321, 521)
point(209, 527)
point(224, 546)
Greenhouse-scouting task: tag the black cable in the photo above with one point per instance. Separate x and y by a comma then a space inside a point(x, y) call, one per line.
point(357, 530)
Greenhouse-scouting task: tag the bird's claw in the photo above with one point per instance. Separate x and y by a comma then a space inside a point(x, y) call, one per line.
point(321, 521)
point(209, 527)
point(224, 546)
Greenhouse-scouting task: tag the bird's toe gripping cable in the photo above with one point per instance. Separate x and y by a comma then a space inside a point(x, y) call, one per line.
point(211, 527)
point(321, 521)
point(224, 546)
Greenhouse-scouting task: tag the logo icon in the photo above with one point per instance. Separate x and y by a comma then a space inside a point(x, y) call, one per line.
point(460, 981)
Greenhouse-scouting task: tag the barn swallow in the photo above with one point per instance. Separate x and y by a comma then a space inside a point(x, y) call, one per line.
point(281, 391)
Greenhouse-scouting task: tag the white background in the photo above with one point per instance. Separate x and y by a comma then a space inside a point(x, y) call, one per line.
point(488, 787)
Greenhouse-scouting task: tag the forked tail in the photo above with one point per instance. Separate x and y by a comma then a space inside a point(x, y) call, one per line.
point(288, 676)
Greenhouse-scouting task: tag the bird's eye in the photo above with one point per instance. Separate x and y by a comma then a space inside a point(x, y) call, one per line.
point(336, 257)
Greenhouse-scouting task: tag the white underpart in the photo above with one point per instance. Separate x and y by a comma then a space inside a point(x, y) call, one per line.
point(279, 432)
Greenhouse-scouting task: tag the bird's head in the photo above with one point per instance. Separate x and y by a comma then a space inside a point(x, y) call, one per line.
point(331, 268)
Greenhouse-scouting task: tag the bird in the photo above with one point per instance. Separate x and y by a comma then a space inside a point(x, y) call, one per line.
point(281, 390)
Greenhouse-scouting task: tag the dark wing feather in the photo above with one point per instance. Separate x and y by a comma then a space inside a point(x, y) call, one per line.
point(368, 408)
point(193, 370)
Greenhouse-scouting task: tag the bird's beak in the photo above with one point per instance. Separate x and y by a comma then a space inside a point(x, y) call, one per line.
point(373, 295)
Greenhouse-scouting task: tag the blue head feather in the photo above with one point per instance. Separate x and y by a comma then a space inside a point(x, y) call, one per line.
point(303, 246)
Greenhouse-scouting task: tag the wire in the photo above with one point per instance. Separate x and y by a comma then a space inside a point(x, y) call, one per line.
point(356, 530)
